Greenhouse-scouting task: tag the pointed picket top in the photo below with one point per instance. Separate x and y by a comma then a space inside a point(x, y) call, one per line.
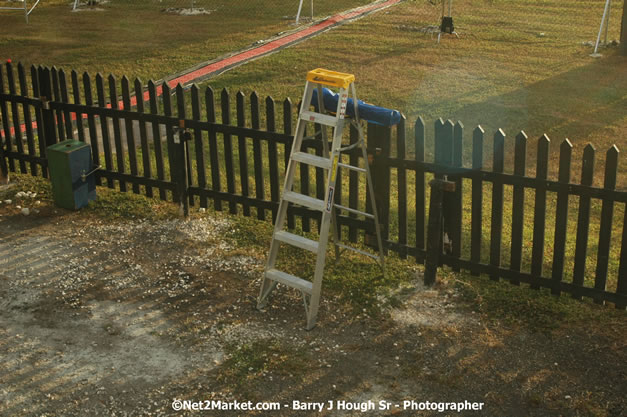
point(20, 67)
point(254, 96)
point(449, 124)
point(210, 104)
point(99, 76)
point(544, 141)
point(270, 122)
point(86, 76)
point(224, 93)
point(459, 124)
point(477, 147)
point(566, 151)
point(269, 101)
point(125, 80)
point(239, 95)
point(111, 78)
point(498, 151)
point(209, 92)
point(521, 136)
point(587, 164)
point(611, 167)
point(73, 74)
point(287, 102)
point(420, 124)
point(33, 68)
point(179, 89)
point(165, 89)
point(151, 84)
point(566, 145)
point(138, 85)
point(438, 124)
point(195, 89)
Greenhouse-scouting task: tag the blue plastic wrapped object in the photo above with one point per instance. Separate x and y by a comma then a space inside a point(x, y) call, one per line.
point(373, 114)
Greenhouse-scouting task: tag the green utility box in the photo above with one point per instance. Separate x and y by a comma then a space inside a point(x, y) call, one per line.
point(71, 173)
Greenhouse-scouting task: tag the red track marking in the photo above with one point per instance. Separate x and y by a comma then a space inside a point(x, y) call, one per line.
point(242, 57)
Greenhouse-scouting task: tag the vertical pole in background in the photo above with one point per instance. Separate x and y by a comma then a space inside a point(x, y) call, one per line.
point(623, 32)
point(300, 6)
point(596, 54)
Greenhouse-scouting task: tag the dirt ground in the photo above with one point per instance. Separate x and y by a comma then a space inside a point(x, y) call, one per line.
point(121, 318)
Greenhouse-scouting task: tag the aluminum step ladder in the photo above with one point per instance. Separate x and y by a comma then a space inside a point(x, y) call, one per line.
point(330, 162)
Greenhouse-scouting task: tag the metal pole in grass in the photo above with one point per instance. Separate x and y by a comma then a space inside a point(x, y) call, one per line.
point(596, 53)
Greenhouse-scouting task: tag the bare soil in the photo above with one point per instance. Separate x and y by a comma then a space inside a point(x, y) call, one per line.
point(121, 318)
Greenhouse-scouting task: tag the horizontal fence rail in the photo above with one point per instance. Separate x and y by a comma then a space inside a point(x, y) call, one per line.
point(184, 146)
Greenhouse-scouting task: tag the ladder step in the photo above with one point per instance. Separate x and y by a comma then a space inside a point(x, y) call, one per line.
point(356, 250)
point(310, 159)
point(351, 210)
point(295, 240)
point(323, 119)
point(304, 200)
point(289, 280)
point(353, 167)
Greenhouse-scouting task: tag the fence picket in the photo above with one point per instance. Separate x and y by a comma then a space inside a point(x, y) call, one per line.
point(273, 162)
point(15, 115)
point(67, 118)
point(41, 140)
point(117, 134)
point(583, 218)
point(4, 114)
point(287, 128)
point(561, 217)
point(169, 133)
point(518, 204)
point(28, 123)
point(419, 144)
point(199, 148)
point(56, 96)
point(91, 123)
point(539, 216)
point(77, 100)
point(257, 155)
point(143, 134)
point(496, 223)
point(242, 149)
point(476, 219)
point(213, 147)
point(401, 175)
point(104, 129)
point(156, 136)
point(456, 198)
point(607, 214)
point(228, 149)
point(181, 152)
point(130, 136)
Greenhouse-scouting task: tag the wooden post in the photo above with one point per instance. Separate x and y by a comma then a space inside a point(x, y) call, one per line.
point(45, 93)
point(378, 145)
point(434, 228)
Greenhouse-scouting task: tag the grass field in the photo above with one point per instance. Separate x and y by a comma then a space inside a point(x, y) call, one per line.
point(138, 39)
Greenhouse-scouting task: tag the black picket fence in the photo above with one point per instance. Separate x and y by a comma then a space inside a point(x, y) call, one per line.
point(190, 157)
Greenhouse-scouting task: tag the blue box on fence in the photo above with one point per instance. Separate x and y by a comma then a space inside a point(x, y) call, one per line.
point(71, 173)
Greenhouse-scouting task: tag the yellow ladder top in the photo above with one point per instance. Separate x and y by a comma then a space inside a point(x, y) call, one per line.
point(332, 78)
